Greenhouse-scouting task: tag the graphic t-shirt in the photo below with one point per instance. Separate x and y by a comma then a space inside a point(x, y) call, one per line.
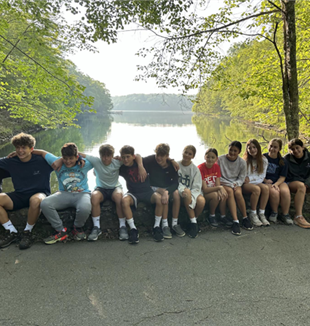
point(28, 177)
point(209, 175)
point(71, 179)
point(131, 176)
point(274, 169)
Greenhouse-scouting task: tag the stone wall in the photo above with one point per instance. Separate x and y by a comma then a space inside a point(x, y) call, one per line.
point(143, 216)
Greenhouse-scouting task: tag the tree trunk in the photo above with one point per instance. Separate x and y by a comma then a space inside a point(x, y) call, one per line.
point(290, 85)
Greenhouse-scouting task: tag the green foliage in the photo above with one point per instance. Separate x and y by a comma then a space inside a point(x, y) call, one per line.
point(247, 82)
point(34, 76)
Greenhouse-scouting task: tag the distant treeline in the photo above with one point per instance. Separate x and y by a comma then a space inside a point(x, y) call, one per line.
point(152, 102)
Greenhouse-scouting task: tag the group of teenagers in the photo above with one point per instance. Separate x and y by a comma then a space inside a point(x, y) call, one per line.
point(157, 179)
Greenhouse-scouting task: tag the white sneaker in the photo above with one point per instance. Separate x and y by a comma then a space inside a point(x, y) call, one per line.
point(255, 220)
point(262, 217)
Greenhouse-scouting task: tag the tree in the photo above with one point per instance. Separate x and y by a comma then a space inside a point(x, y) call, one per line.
point(35, 83)
point(187, 52)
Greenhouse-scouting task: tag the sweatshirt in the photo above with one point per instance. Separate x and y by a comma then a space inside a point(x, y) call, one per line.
point(254, 176)
point(298, 172)
point(190, 177)
point(233, 172)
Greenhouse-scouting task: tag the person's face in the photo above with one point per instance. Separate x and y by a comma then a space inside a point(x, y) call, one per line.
point(274, 149)
point(252, 150)
point(23, 152)
point(106, 159)
point(161, 160)
point(188, 155)
point(297, 151)
point(70, 161)
point(210, 158)
point(233, 153)
point(128, 159)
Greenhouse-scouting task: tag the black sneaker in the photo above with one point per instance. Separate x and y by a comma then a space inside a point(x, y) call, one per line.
point(246, 224)
point(212, 221)
point(133, 236)
point(158, 234)
point(7, 238)
point(193, 230)
point(26, 240)
point(226, 221)
point(235, 229)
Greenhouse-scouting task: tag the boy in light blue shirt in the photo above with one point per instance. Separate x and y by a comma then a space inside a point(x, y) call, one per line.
point(73, 192)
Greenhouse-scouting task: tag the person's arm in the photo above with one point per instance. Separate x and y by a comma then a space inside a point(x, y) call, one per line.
point(40, 152)
point(141, 169)
point(174, 163)
point(242, 174)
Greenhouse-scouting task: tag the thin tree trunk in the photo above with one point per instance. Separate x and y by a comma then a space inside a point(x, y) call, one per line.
point(290, 85)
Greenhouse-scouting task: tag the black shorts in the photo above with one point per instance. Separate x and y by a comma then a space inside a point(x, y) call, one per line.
point(20, 200)
point(106, 193)
point(144, 197)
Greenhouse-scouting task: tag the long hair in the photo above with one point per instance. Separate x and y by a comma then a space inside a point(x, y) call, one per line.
point(279, 141)
point(259, 157)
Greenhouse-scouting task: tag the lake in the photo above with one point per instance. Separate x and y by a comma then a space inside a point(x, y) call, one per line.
point(143, 131)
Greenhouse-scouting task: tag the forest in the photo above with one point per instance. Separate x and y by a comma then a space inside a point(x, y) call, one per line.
point(37, 83)
point(152, 102)
point(247, 81)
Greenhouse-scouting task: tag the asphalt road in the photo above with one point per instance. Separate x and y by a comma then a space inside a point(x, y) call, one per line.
point(259, 278)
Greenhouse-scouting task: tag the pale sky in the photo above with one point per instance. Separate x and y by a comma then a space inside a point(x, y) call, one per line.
point(115, 64)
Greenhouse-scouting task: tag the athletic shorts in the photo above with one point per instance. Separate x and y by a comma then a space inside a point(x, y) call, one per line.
point(144, 197)
point(20, 200)
point(107, 193)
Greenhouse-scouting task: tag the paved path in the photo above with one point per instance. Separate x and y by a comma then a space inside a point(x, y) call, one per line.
point(259, 278)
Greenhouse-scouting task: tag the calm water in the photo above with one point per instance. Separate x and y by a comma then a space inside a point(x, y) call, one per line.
point(143, 131)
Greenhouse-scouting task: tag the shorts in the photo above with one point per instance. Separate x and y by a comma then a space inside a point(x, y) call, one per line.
point(20, 200)
point(144, 197)
point(107, 193)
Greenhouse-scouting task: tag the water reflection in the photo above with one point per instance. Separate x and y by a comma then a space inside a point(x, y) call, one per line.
point(144, 130)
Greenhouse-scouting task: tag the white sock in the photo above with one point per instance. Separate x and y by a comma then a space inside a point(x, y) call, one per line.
point(157, 221)
point(131, 223)
point(28, 227)
point(236, 221)
point(164, 222)
point(96, 221)
point(9, 226)
point(253, 212)
point(193, 220)
point(174, 221)
point(212, 215)
point(122, 222)
point(261, 211)
point(246, 216)
point(223, 216)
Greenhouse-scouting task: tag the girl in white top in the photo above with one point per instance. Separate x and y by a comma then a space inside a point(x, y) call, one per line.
point(190, 184)
point(253, 184)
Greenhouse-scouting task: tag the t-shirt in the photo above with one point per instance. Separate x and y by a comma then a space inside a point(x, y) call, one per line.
point(167, 178)
point(274, 169)
point(106, 175)
point(72, 179)
point(28, 177)
point(209, 175)
point(131, 176)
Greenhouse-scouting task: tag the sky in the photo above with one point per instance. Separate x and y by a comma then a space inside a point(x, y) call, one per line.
point(115, 64)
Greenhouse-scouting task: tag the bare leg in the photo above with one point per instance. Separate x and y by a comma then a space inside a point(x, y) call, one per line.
point(200, 204)
point(96, 199)
point(231, 203)
point(117, 197)
point(255, 191)
point(264, 195)
point(285, 196)
point(34, 208)
point(240, 201)
point(299, 189)
point(212, 200)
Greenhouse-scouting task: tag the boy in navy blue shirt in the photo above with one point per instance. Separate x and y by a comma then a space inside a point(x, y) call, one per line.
point(138, 190)
point(31, 179)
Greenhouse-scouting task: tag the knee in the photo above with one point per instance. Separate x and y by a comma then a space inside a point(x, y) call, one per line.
point(186, 194)
point(176, 196)
point(35, 202)
point(265, 189)
point(256, 191)
point(125, 202)
point(201, 201)
point(95, 199)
